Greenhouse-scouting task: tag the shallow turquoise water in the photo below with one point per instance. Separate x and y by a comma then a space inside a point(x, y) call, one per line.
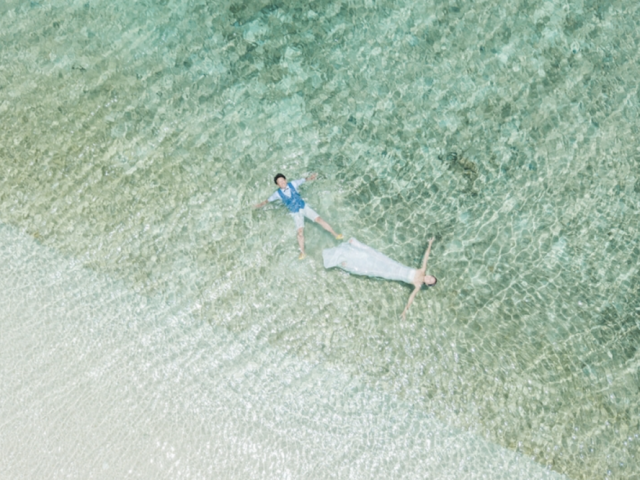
point(136, 136)
point(127, 386)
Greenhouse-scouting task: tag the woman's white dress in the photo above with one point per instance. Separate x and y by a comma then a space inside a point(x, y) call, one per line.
point(357, 258)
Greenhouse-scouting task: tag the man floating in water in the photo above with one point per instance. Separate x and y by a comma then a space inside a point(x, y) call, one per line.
point(360, 259)
point(288, 194)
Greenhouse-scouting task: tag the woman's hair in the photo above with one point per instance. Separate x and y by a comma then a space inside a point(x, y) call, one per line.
point(275, 179)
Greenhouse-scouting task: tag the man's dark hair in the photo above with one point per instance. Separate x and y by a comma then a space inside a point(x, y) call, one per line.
point(275, 179)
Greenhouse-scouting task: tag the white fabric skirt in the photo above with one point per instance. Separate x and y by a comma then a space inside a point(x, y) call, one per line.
point(360, 259)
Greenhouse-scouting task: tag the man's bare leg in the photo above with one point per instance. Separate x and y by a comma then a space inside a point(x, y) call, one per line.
point(301, 243)
point(328, 228)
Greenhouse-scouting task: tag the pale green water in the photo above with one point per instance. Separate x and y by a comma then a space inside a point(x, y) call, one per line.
point(136, 136)
point(129, 387)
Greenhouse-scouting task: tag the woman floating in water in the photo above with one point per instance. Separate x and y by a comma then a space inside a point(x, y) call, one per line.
point(360, 259)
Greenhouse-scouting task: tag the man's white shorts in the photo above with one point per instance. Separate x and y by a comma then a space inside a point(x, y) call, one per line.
point(308, 212)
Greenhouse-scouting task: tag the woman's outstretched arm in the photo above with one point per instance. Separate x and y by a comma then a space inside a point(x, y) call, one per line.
point(413, 295)
point(426, 256)
point(423, 269)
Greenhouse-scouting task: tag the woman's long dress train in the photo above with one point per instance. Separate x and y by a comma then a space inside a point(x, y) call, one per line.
point(357, 258)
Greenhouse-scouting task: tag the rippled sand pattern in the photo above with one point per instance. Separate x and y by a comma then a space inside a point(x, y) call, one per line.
point(129, 387)
point(136, 136)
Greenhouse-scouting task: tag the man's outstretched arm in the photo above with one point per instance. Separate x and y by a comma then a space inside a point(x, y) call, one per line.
point(261, 204)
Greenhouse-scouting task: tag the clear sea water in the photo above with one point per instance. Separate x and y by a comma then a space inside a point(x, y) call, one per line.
point(154, 325)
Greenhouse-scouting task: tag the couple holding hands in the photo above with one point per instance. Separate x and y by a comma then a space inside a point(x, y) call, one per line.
point(352, 256)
